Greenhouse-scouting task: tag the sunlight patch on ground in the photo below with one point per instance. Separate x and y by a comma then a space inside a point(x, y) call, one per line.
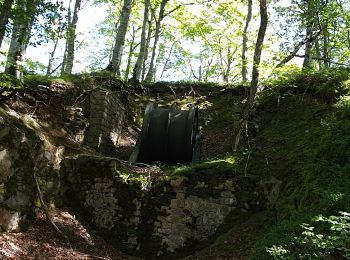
point(8, 248)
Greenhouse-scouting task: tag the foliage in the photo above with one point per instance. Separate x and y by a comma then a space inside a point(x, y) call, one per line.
point(9, 82)
point(50, 22)
point(326, 84)
point(306, 143)
point(326, 236)
point(34, 66)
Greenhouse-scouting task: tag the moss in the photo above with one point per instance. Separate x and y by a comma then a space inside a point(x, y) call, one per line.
point(9, 82)
point(32, 80)
point(326, 85)
point(216, 167)
point(306, 145)
point(235, 239)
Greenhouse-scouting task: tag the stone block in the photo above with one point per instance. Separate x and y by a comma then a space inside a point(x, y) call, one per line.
point(173, 203)
point(4, 132)
point(227, 194)
point(228, 201)
point(5, 165)
point(164, 230)
point(20, 200)
point(201, 185)
point(157, 224)
point(9, 220)
point(179, 182)
point(135, 221)
point(166, 225)
point(180, 195)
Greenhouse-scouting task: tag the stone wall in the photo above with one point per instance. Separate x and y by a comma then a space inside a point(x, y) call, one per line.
point(105, 116)
point(159, 219)
point(22, 148)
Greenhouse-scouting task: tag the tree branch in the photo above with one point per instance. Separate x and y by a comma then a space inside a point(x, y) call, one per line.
point(297, 48)
point(176, 8)
point(323, 59)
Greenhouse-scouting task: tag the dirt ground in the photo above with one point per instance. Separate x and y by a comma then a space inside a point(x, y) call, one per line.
point(41, 241)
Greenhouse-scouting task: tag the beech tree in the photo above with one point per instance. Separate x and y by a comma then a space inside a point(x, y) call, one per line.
point(120, 37)
point(245, 40)
point(5, 12)
point(68, 58)
point(258, 51)
point(159, 19)
point(310, 13)
point(23, 22)
point(255, 73)
point(143, 43)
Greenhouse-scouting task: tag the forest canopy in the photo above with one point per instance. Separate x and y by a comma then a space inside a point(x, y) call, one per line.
point(157, 40)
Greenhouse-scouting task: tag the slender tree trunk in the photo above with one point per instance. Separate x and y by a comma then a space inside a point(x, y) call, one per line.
point(258, 51)
point(200, 69)
point(71, 36)
point(255, 73)
point(325, 45)
point(20, 38)
point(309, 31)
point(69, 21)
point(51, 57)
point(151, 71)
point(230, 54)
point(131, 52)
point(4, 18)
point(245, 41)
point(308, 47)
point(165, 67)
point(141, 55)
point(318, 53)
point(120, 37)
point(148, 41)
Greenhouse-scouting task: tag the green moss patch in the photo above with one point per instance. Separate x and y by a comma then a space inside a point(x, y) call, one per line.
point(306, 144)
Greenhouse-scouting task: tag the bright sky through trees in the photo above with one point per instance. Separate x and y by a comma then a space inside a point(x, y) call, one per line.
point(196, 39)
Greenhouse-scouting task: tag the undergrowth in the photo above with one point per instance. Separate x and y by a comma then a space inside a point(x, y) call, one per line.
point(326, 85)
point(304, 136)
point(9, 83)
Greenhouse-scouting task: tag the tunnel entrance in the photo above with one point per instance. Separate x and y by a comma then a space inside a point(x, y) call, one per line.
point(169, 135)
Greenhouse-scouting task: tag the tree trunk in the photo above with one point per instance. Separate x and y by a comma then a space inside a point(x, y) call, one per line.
point(69, 20)
point(230, 54)
point(258, 51)
point(148, 41)
point(4, 18)
point(51, 57)
point(255, 74)
point(151, 71)
point(245, 41)
point(165, 67)
point(308, 47)
point(309, 31)
point(131, 52)
point(120, 37)
point(318, 53)
point(325, 45)
point(141, 55)
point(71, 36)
point(20, 37)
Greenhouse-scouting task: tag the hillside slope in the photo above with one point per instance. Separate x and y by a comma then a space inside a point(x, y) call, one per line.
point(297, 147)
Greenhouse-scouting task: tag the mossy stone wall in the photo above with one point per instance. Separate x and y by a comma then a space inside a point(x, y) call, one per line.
point(105, 116)
point(167, 217)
